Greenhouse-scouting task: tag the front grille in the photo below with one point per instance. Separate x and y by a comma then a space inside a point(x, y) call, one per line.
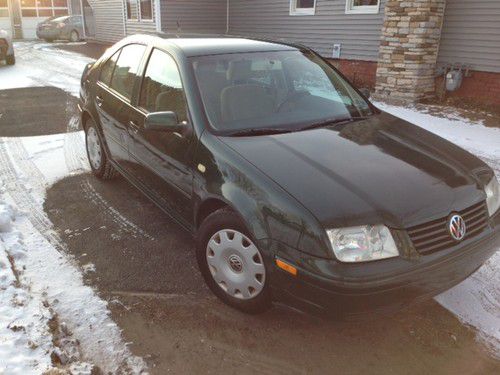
point(434, 235)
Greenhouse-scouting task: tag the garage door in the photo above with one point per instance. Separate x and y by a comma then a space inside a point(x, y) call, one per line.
point(35, 11)
point(5, 23)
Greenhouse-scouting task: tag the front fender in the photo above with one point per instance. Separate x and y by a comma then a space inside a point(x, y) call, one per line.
point(268, 211)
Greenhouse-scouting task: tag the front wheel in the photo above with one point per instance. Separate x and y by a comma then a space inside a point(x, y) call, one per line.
point(232, 265)
point(10, 60)
point(74, 37)
point(99, 163)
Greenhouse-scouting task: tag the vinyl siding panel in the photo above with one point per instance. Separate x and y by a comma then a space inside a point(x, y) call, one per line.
point(194, 16)
point(471, 34)
point(358, 34)
point(109, 19)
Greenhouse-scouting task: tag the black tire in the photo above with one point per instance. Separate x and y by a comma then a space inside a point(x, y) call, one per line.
point(10, 60)
point(74, 36)
point(225, 218)
point(105, 171)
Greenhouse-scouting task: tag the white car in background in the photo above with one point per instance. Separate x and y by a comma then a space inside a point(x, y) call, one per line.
point(6, 48)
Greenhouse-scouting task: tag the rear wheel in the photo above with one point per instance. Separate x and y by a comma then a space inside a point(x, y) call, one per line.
point(73, 36)
point(10, 60)
point(231, 263)
point(99, 163)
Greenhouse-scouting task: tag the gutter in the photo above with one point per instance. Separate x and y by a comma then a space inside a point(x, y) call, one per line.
point(227, 17)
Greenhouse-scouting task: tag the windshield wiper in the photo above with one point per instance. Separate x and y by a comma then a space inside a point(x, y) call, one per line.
point(258, 131)
point(335, 121)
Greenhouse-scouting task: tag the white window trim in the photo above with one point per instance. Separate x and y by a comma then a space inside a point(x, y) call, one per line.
point(363, 9)
point(294, 11)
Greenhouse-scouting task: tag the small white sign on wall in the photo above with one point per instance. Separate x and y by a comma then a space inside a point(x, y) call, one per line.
point(336, 51)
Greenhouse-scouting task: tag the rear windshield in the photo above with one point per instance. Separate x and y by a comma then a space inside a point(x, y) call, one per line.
point(285, 89)
point(60, 19)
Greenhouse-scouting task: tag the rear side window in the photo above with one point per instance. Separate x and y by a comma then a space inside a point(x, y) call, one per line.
point(125, 72)
point(107, 69)
point(162, 87)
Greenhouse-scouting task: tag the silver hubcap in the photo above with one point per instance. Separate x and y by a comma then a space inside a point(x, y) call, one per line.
point(94, 148)
point(236, 264)
point(74, 37)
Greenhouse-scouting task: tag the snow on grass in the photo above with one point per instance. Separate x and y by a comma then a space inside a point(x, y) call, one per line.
point(25, 338)
point(475, 301)
point(30, 165)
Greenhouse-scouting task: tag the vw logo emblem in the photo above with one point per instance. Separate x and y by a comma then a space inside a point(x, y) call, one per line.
point(457, 227)
point(235, 263)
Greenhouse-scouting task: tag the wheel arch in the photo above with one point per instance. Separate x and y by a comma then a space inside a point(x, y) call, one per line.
point(207, 207)
point(84, 118)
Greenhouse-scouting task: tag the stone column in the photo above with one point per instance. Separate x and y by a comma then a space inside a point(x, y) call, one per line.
point(408, 49)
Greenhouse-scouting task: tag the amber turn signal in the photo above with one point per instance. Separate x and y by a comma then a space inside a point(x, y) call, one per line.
point(286, 267)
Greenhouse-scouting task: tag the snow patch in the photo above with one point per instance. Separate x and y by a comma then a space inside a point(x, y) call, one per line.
point(62, 69)
point(25, 339)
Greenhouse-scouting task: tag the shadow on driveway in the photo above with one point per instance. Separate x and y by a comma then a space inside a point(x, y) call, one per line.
point(35, 111)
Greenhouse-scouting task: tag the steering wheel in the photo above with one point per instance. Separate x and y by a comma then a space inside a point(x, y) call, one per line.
point(294, 95)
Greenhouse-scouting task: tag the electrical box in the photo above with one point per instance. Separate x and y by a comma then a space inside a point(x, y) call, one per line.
point(336, 51)
point(454, 80)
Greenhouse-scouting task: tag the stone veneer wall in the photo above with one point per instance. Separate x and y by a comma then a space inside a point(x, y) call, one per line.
point(408, 49)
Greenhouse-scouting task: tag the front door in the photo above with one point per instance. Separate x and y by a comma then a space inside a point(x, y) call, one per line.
point(161, 158)
point(113, 99)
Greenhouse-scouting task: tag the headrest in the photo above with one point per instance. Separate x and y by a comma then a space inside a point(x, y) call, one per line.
point(205, 67)
point(239, 71)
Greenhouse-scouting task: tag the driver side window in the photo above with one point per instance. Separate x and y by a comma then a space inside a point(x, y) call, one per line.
point(162, 87)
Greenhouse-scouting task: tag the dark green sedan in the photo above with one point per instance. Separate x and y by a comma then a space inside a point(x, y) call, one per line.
point(296, 188)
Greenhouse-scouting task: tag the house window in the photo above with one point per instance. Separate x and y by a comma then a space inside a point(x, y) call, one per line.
point(362, 6)
point(4, 8)
point(146, 10)
point(131, 6)
point(302, 7)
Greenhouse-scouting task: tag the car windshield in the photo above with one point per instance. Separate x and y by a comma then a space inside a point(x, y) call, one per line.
point(274, 91)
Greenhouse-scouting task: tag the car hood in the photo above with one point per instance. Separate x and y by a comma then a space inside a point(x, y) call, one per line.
point(379, 170)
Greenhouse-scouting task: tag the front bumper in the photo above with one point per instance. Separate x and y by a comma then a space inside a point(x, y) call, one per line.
point(331, 287)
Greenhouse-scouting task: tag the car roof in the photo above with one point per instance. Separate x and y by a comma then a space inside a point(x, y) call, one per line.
point(203, 44)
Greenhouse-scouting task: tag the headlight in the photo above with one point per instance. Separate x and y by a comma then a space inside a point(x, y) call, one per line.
point(362, 244)
point(492, 191)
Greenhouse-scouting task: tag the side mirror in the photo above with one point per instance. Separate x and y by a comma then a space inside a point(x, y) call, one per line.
point(365, 92)
point(163, 121)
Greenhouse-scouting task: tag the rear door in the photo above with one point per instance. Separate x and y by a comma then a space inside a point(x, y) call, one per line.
point(162, 159)
point(113, 98)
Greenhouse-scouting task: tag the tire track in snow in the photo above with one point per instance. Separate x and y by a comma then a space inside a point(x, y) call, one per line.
point(108, 351)
point(22, 192)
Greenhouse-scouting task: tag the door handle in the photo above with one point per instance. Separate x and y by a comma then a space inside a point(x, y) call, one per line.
point(99, 101)
point(133, 127)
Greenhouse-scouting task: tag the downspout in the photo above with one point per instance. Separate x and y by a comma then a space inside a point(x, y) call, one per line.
point(227, 18)
point(158, 15)
point(84, 20)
